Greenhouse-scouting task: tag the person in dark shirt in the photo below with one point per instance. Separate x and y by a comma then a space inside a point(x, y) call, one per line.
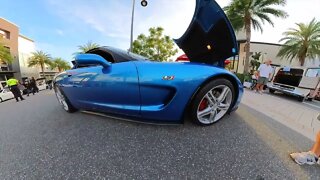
point(33, 85)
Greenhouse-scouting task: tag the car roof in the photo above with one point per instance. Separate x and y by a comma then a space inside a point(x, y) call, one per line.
point(115, 55)
point(304, 68)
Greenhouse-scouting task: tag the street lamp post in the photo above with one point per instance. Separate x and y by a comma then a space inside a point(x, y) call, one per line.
point(144, 3)
point(132, 18)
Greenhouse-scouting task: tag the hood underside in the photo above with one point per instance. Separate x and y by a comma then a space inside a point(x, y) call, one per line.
point(210, 37)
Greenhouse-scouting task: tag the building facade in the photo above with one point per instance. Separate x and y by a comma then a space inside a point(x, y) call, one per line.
point(21, 48)
point(26, 47)
point(9, 33)
point(268, 51)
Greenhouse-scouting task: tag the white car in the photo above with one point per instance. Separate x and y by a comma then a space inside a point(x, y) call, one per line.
point(5, 94)
point(41, 84)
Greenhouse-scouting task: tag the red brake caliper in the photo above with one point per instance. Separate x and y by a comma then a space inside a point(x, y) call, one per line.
point(203, 104)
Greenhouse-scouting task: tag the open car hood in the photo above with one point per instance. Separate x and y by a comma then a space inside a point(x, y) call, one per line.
point(210, 37)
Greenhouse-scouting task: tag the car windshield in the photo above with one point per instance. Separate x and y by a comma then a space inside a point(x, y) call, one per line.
point(133, 56)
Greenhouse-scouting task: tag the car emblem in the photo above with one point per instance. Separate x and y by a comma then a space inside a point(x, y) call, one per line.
point(169, 78)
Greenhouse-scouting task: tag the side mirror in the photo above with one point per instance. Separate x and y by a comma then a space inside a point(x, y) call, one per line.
point(87, 59)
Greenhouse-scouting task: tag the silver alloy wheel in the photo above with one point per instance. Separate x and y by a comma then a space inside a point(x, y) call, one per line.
point(62, 99)
point(217, 100)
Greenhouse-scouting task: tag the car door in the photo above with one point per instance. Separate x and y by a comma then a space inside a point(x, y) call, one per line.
point(114, 89)
point(7, 94)
point(2, 96)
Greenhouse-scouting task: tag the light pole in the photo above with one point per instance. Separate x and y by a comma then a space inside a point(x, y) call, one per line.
point(132, 18)
point(144, 3)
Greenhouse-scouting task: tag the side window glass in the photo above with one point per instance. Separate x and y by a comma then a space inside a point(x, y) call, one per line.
point(313, 73)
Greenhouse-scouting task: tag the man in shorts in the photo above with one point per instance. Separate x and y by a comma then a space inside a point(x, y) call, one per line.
point(264, 71)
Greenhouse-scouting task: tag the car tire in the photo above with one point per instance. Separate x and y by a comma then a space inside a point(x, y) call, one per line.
point(300, 98)
point(65, 103)
point(212, 102)
point(1, 100)
point(309, 99)
point(272, 91)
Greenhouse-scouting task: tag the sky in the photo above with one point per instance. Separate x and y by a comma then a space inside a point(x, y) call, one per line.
point(58, 27)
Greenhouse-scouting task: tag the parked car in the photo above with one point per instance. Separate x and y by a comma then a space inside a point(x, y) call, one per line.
point(41, 83)
point(127, 85)
point(302, 82)
point(5, 94)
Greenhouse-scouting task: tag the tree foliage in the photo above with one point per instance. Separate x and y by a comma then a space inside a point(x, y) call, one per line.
point(255, 61)
point(86, 47)
point(301, 42)
point(155, 46)
point(5, 55)
point(40, 59)
point(245, 14)
point(60, 64)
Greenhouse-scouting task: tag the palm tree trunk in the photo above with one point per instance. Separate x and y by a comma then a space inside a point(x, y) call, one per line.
point(42, 69)
point(302, 60)
point(247, 46)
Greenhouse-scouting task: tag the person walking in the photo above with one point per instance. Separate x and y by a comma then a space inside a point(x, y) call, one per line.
point(29, 88)
point(33, 84)
point(311, 157)
point(13, 86)
point(264, 72)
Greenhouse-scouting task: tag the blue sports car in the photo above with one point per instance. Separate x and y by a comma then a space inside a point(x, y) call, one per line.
point(122, 84)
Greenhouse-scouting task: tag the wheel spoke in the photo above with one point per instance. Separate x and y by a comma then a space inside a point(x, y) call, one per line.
point(224, 93)
point(62, 100)
point(211, 98)
point(205, 112)
point(223, 106)
point(212, 115)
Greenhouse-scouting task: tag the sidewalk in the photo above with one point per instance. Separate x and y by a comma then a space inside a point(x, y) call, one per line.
point(294, 115)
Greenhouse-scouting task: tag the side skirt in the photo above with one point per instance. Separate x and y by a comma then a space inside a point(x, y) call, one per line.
point(143, 121)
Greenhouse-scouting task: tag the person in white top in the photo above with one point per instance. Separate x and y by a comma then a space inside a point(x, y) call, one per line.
point(265, 70)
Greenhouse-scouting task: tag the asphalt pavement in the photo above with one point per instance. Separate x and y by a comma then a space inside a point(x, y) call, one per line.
point(38, 140)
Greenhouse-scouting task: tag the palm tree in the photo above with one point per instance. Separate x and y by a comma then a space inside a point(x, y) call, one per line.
point(251, 13)
point(5, 55)
point(302, 42)
point(84, 48)
point(40, 58)
point(60, 64)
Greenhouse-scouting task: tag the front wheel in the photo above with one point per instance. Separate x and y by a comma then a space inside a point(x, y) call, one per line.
point(64, 101)
point(271, 91)
point(212, 102)
point(300, 98)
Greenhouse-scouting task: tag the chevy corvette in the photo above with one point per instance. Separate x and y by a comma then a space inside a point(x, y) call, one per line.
point(122, 84)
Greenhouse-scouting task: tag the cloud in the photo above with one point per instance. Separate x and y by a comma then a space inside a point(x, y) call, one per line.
point(107, 17)
point(60, 32)
point(112, 19)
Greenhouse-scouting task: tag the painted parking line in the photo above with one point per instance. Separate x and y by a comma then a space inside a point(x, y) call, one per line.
point(310, 104)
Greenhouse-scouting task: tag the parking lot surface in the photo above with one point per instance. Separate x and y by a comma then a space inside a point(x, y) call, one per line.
point(38, 140)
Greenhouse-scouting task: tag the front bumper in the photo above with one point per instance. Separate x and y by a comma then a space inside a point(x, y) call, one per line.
point(294, 91)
